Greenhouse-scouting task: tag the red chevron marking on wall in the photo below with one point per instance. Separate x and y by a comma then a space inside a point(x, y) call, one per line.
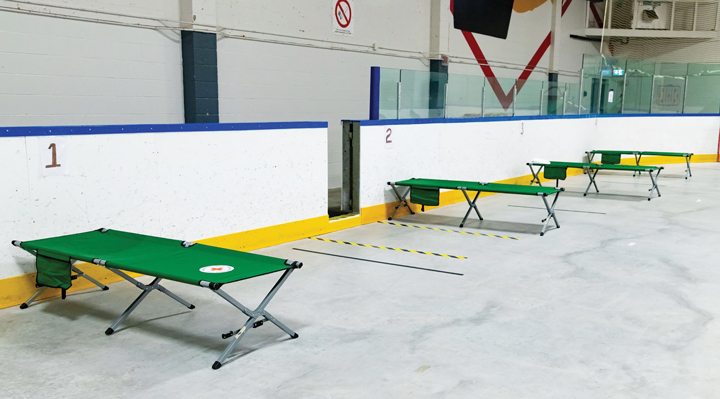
point(506, 99)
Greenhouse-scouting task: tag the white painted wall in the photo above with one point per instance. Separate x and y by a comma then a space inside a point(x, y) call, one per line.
point(62, 72)
point(492, 151)
point(184, 185)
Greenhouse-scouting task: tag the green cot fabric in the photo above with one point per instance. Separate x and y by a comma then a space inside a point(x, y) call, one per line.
point(425, 196)
point(53, 270)
point(555, 173)
point(580, 165)
point(476, 186)
point(668, 154)
point(614, 152)
point(610, 159)
point(159, 257)
point(659, 153)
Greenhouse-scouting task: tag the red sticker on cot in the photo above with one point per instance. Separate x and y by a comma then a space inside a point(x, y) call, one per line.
point(216, 269)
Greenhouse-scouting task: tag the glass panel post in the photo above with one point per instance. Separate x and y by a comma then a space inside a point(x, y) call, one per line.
point(399, 97)
point(482, 113)
point(445, 106)
point(685, 93)
point(622, 105)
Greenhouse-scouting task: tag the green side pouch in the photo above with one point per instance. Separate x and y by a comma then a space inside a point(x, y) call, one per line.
point(555, 173)
point(53, 270)
point(425, 196)
point(610, 159)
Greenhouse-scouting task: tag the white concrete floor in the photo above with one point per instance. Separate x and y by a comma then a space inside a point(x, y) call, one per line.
point(620, 302)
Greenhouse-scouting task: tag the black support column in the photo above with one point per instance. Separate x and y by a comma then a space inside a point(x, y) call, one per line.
point(200, 78)
point(552, 94)
point(438, 79)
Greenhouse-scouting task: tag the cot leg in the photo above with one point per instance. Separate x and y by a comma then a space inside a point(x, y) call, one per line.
point(654, 184)
point(92, 280)
point(154, 285)
point(592, 181)
point(401, 199)
point(688, 173)
point(175, 297)
point(551, 214)
point(32, 298)
point(637, 155)
point(280, 325)
point(472, 206)
point(590, 155)
point(535, 178)
point(136, 302)
point(253, 315)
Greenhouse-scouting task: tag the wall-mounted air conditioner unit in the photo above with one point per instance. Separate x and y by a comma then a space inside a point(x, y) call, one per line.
point(651, 15)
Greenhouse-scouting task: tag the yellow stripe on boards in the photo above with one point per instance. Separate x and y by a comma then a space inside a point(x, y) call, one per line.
point(450, 231)
point(388, 248)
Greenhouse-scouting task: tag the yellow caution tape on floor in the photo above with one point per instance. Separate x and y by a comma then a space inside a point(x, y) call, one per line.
point(389, 248)
point(450, 231)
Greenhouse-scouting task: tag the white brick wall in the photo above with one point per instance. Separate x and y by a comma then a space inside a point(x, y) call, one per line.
point(61, 72)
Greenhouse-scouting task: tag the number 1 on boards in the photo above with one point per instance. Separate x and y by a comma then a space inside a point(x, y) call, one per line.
point(54, 163)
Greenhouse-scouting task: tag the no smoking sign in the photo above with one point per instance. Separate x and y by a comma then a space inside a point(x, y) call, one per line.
point(343, 18)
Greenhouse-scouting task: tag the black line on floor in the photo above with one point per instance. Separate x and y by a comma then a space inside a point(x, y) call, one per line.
point(564, 210)
point(377, 261)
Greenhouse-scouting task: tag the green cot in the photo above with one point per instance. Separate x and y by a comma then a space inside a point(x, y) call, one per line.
point(182, 261)
point(430, 194)
point(558, 171)
point(613, 157)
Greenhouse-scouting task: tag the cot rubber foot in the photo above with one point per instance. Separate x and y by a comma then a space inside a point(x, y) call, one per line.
point(24, 306)
point(542, 234)
point(648, 199)
point(191, 307)
point(461, 226)
point(105, 288)
point(389, 218)
point(216, 365)
point(109, 331)
point(295, 336)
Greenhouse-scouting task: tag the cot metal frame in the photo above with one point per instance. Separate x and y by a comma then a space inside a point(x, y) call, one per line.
point(403, 200)
point(638, 155)
point(253, 315)
point(592, 173)
point(40, 289)
point(256, 318)
point(473, 206)
point(146, 289)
